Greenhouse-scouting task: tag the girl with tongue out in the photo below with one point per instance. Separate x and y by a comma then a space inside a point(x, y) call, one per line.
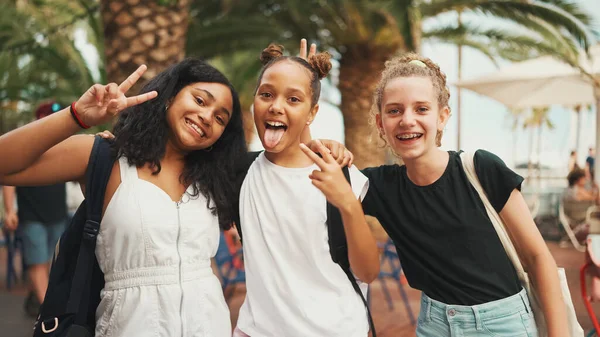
point(294, 288)
point(447, 243)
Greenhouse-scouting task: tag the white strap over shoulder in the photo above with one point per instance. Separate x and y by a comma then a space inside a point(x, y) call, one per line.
point(573, 325)
point(469, 168)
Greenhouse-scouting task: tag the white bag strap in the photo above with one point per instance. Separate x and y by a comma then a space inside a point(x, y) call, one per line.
point(469, 168)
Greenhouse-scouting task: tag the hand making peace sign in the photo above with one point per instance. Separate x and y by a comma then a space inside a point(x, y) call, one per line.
point(101, 103)
point(330, 178)
point(342, 155)
point(312, 52)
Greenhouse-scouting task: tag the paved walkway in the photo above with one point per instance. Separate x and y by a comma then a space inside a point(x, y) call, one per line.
point(390, 323)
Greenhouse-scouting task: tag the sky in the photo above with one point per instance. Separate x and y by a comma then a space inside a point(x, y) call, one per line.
point(485, 122)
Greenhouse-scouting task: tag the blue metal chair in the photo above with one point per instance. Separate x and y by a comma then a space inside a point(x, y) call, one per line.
point(229, 273)
point(394, 271)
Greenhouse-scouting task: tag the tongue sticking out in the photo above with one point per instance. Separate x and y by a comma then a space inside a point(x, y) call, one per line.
point(273, 136)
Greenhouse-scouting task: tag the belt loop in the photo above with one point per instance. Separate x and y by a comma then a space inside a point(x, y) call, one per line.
point(525, 299)
point(428, 309)
point(477, 318)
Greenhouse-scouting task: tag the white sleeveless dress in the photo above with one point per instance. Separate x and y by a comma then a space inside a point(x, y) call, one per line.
point(155, 255)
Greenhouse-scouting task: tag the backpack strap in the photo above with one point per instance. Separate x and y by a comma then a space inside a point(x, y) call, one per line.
point(98, 172)
point(338, 248)
point(241, 175)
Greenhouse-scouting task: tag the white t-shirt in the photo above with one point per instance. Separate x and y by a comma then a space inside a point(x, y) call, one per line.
point(293, 286)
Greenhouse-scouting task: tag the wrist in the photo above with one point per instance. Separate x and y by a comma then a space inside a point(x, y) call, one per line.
point(77, 116)
point(349, 205)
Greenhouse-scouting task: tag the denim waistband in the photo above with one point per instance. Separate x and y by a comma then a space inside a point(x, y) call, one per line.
point(476, 313)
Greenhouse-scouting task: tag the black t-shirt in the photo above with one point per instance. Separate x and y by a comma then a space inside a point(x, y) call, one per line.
point(446, 243)
point(45, 204)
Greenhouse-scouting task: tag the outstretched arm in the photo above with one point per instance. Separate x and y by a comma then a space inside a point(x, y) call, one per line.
point(40, 152)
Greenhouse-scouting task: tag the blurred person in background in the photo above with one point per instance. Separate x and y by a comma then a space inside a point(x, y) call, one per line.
point(573, 161)
point(577, 199)
point(589, 163)
point(40, 219)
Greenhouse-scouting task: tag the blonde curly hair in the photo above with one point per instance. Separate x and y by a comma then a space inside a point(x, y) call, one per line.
point(411, 65)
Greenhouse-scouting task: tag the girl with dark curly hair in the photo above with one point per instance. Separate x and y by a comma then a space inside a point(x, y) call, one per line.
point(170, 189)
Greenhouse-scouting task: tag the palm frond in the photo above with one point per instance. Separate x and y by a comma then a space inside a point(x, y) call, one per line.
point(469, 42)
point(565, 47)
point(511, 45)
point(207, 42)
point(558, 16)
point(404, 17)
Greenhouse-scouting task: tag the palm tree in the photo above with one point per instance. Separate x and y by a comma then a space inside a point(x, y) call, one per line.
point(538, 118)
point(151, 32)
point(515, 117)
point(363, 34)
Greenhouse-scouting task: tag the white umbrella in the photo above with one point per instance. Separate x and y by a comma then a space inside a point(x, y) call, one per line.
point(539, 82)
point(542, 82)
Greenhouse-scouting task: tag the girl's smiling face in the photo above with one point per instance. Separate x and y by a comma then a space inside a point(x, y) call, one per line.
point(410, 117)
point(198, 115)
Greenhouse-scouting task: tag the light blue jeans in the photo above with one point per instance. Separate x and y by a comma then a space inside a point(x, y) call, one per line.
point(508, 317)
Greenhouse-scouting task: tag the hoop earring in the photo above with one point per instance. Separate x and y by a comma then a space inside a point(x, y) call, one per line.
point(208, 149)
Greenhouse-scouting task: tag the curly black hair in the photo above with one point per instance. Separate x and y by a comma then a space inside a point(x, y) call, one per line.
point(141, 134)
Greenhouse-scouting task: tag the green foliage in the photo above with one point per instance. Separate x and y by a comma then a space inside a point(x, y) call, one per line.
point(38, 58)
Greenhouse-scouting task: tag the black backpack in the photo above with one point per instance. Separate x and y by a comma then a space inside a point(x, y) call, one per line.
point(338, 246)
point(73, 294)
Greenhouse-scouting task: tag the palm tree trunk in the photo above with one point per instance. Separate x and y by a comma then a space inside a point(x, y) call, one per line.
point(577, 127)
point(143, 32)
point(514, 146)
point(539, 150)
point(597, 148)
point(458, 90)
point(529, 161)
point(2, 127)
point(360, 70)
